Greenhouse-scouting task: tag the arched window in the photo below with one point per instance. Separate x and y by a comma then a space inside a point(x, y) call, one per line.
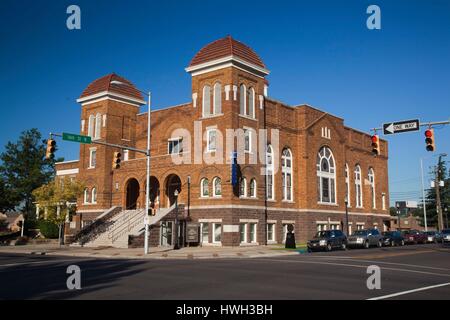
point(286, 170)
point(251, 102)
point(94, 195)
point(358, 187)
point(91, 126)
point(98, 126)
point(217, 98)
point(217, 187)
point(206, 101)
point(243, 100)
point(372, 187)
point(204, 188)
point(243, 187)
point(270, 190)
point(326, 176)
point(347, 184)
point(86, 195)
point(253, 188)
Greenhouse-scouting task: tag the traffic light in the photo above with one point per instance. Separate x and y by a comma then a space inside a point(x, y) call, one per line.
point(429, 134)
point(116, 160)
point(376, 145)
point(51, 148)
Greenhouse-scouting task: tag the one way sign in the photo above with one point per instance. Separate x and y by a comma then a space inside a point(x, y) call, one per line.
point(401, 127)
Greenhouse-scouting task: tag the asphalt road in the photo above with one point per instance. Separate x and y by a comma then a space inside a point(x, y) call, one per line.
point(423, 269)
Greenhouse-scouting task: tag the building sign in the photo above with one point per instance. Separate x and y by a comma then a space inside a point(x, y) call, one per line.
point(192, 233)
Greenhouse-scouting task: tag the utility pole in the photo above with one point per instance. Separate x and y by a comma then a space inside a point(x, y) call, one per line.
point(438, 195)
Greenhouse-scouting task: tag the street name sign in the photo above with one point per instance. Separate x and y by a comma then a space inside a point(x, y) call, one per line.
point(401, 126)
point(76, 138)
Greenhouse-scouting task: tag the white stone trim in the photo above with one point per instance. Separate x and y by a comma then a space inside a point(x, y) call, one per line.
point(109, 94)
point(286, 209)
point(235, 89)
point(67, 172)
point(229, 228)
point(92, 211)
point(261, 102)
point(194, 99)
point(225, 62)
point(227, 92)
point(65, 162)
point(210, 220)
point(287, 222)
point(248, 221)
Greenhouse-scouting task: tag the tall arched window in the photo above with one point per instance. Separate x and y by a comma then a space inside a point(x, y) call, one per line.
point(94, 195)
point(326, 176)
point(243, 187)
point(86, 195)
point(251, 102)
point(372, 187)
point(206, 101)
point(347, 184)
point(243, 100)
point(253, 188)
point(270, 190)
point(286, 170)
point(91, 126)
point(217, 106)
point(217, 187)
point(358, 187)
point(204, 188)
point(98, 126)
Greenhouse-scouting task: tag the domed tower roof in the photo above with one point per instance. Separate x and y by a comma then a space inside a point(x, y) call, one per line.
point(227, 50)
point(111, 84)
point(226, 47)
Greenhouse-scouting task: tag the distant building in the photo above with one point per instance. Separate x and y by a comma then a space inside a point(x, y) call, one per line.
point(13, 220)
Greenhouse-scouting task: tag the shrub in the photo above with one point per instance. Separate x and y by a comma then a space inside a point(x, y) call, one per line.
point(49, 229)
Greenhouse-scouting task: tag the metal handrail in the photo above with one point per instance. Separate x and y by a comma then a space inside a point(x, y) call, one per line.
point(126, 225)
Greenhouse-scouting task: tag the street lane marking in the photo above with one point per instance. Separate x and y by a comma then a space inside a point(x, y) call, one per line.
point(390, 263)
point(357, 266)
point(410, 291)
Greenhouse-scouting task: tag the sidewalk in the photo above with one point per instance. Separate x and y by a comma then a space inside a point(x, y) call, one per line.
point(155, 253)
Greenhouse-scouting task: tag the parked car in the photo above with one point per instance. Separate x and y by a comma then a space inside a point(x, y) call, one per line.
point(393, 238)
point(445, 235)
point(328, 240)
point(433, 236)
point(365, 238)
point(414, 237)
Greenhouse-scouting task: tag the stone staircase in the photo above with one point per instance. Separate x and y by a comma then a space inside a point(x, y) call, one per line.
point(116, 230)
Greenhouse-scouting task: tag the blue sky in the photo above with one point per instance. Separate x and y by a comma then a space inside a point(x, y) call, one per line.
point(319, 52)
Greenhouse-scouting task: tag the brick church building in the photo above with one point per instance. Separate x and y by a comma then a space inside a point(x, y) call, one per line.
point(304, 180)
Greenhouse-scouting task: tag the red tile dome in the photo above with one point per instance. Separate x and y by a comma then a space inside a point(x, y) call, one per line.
point(104, 84)
point(226, 47)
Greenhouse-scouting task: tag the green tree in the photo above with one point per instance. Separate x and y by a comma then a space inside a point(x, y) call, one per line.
point(430, 197)
point(24, 168)
point(59, 192)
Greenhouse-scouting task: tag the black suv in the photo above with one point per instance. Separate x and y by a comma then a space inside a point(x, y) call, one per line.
point(328, 240)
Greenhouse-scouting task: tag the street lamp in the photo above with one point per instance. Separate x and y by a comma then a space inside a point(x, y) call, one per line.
point(147, 187)
point(177, 237)
point(346, 216)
